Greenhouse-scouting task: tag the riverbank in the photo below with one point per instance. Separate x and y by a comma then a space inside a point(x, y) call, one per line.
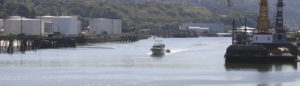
point(117, 38)
point(191, 62)
point(21, 43)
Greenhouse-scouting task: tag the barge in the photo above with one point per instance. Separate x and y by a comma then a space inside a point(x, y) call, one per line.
point(264, 45)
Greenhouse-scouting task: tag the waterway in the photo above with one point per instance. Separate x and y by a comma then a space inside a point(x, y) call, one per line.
point(192, 62)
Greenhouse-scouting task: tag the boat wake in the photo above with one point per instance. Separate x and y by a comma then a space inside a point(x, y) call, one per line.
point(174, 51)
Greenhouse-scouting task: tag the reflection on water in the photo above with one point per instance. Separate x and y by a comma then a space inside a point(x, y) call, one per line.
point(192, 62)
point(269, 85)
point(158, 56)
point(261, 67)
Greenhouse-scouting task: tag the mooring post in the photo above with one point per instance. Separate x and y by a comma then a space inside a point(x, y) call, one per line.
point(10, 46)
point(23, 45)
point(0, 45)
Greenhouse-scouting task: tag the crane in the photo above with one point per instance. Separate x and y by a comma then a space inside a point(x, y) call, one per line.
point(263, 19)
point(266, 45)
point(263, 35)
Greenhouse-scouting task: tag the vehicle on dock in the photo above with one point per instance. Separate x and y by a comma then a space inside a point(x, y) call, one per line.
point(158, 48)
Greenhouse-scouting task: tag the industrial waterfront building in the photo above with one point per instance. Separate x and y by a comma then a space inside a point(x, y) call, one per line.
point(1, 26)
point(65, 25)
point(43, 25)
point(211, 28)
point(100, 26)
point(49, 24)
point(16, 25)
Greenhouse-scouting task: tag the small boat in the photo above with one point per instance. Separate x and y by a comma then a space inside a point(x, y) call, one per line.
point(158, 48)
point(168, 51)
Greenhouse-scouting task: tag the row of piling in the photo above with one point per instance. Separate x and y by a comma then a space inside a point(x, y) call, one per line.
point(16, 44)
point(129, 38)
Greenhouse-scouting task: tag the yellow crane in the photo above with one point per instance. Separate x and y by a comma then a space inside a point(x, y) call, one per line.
point(263, 18)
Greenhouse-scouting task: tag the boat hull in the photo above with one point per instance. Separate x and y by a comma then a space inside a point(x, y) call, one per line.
point(158, 51)
point(248, 53)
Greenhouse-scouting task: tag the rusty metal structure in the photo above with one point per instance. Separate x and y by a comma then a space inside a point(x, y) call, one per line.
point(263, 19)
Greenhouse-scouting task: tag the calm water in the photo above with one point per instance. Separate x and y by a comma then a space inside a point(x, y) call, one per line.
point(193, 62)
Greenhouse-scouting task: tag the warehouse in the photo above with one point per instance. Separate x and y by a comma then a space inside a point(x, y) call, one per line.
point(100, 26)
point(24, 25)
point(211, 27)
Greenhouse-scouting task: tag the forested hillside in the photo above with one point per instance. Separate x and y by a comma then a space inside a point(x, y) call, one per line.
point(291, 9)
point(138, 13)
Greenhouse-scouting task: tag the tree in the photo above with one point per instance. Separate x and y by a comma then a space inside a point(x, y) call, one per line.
point(23, 10)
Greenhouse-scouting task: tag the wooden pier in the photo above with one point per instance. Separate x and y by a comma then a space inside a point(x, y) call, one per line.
point(11, 44)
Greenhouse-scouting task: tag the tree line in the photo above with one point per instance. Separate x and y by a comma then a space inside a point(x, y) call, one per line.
point(134, 15)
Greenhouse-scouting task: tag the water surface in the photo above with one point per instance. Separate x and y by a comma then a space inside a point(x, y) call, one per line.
point(192, 62)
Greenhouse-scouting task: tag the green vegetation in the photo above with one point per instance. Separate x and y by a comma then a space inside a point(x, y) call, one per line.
point(134, 16)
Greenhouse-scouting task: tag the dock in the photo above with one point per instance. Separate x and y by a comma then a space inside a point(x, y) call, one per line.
point(11, 44)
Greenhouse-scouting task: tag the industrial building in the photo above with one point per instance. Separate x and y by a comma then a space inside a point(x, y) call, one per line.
point(249, 30)
point(16, 25)
point(49, 24)
point(43, 25)
point(100, 26)
point(65, 25)
point(204, 27)
point(1, 25)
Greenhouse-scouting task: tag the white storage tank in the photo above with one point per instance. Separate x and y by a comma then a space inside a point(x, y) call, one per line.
point(27, 27)
point(66, 25)
point(14, 17)
point(1, 22)
point(12, 26)
point(48, 24)
point(102, 25)
point(117, 26)
point(1, 25)
point(79, 27)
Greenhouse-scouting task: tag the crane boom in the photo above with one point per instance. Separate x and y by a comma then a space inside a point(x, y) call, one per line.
point(263, 19)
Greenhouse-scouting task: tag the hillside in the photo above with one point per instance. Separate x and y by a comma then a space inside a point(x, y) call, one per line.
point(291, 10)
point(140, 13)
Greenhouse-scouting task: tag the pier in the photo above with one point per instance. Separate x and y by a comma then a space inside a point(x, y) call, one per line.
point(11, 44)
point(127, 38)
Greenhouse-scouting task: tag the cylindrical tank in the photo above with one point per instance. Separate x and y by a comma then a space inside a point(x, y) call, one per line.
point(66, 25)
point(101, 25)
point(24, 25)
point(48, 24)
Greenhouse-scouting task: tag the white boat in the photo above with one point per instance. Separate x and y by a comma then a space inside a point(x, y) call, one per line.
point(158, 48)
